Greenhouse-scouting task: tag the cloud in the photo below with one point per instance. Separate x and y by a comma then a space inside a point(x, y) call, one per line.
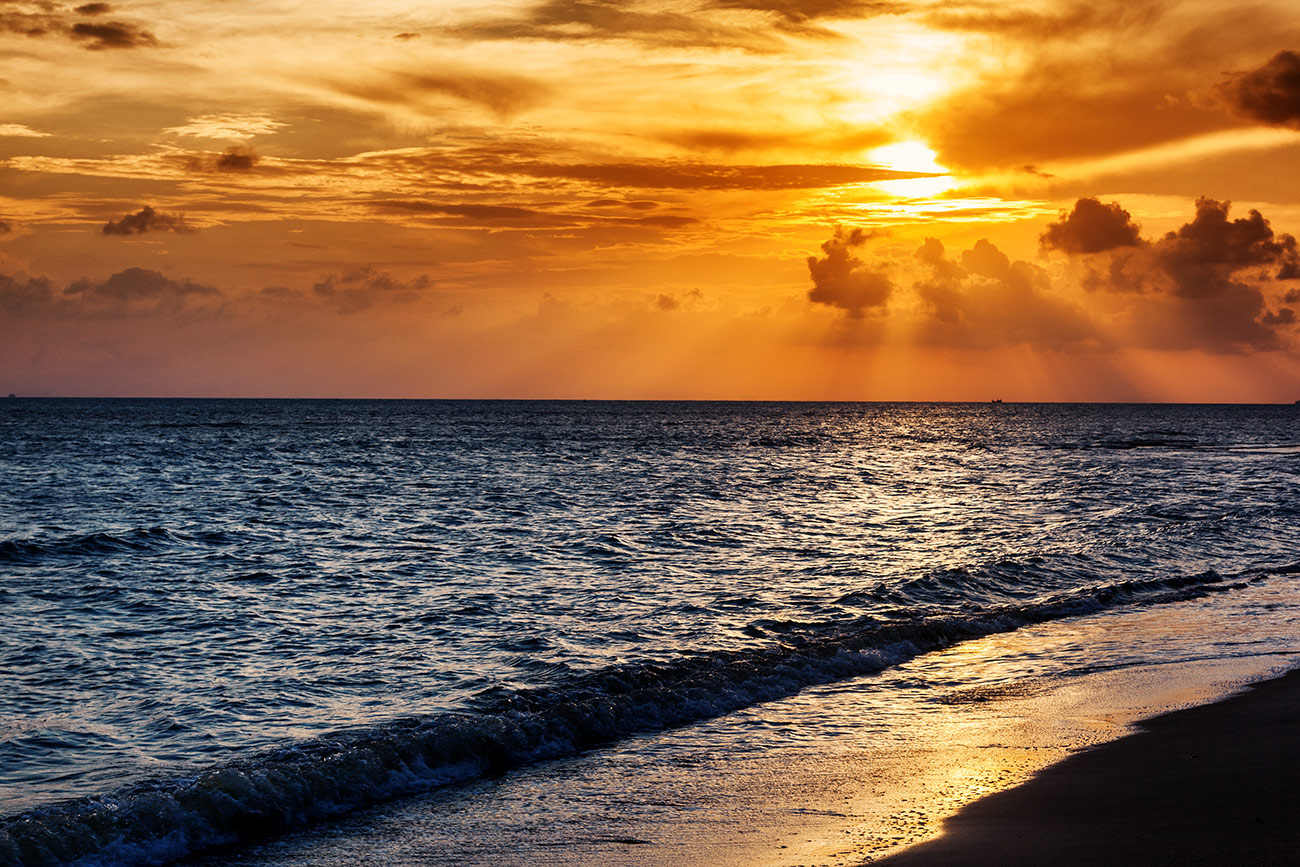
point(406, 36)
point(35, 18)
point(227, 126)
point(1092, 227)
point(1065, 21)
point(666, 221)
point(587, 20)
point(476, 212)
point(1203, 261)
point(842, 280)
point(1200, 254)
point(38, 19)
point(494, 216)
point(132, 292)
point(989, 300)
point(818, 138)
point(362, 288)
point(234, 159)
point(148, 220)
point(1270, 93)
point(17, 130)
point(5, 228)
point(485, 215)
point(636, 205)
point(25, 295)
point(712, 176)
point(1200, 282)
point(1091, 80)
point(237, 159)
point(113, 34)
point(505, 95)
point(797, 15)
point(135, 284)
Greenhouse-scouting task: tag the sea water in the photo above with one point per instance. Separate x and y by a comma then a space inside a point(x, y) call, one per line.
point(225, 620)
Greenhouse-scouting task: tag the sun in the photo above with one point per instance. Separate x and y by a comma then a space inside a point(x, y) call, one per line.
point(907, 156)
point(912, 156)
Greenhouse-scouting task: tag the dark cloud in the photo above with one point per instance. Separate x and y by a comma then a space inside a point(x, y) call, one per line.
point(1202, 253)
point(514, 216)
point(362, 288)
point(506, 95)
point(666, 221)
point(585, 20)
point(476, 212)
point(25, 295)
point(1284, 316)
point(800, 16)
point(989, 300)
point(147, 220)
point(842, 280)
point(406, 37)
point(237, 159)
point(832, 139)
point(113, 34)
point(281, 293)
point(667, 303)
point(1200, 281)
point(1092, 227)
point(507, 163)
point(486, 216)
point(94, 9)
point(636, 205)
point(1066, 21)
point(728, 140)
point(132, 292)
point(710, 176)
point(31, 19)
point(135, 284)
point(1270, 93)
point(1055, 115)
point(1203, 260)
point(1096, 78)
point(5, 228)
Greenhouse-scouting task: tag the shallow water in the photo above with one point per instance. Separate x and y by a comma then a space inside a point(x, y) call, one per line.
point(244, 615)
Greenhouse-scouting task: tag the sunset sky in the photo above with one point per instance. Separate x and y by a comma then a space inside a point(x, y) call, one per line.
point(785, 199)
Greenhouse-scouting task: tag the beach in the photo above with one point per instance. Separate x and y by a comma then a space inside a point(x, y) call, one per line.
point(1214, 784)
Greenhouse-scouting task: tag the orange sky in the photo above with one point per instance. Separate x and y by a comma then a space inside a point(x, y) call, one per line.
point(785, 199)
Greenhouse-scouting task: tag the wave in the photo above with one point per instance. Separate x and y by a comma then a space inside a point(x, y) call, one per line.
point(138, 539)
point(163, 820)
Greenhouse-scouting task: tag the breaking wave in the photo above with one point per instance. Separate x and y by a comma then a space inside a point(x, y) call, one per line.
point(162, 820)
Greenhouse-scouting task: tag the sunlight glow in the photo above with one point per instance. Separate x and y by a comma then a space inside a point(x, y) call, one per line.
point(911, 156)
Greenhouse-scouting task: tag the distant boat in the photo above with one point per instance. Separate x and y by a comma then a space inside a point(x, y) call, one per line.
point(999, 400)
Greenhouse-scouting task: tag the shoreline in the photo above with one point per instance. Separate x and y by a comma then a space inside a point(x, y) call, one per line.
point(1211, 784)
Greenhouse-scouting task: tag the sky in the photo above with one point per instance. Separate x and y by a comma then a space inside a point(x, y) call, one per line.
point(694, 199)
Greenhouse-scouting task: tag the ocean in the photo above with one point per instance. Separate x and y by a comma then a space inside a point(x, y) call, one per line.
point(274, 632)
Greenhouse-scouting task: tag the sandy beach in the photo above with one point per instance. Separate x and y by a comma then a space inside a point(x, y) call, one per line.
point(1215, 784)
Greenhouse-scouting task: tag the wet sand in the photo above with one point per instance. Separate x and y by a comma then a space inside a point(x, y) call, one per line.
point(1215, 785)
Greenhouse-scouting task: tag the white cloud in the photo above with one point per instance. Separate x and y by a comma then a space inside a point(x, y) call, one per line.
point(227, 126)
point(17, 130)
